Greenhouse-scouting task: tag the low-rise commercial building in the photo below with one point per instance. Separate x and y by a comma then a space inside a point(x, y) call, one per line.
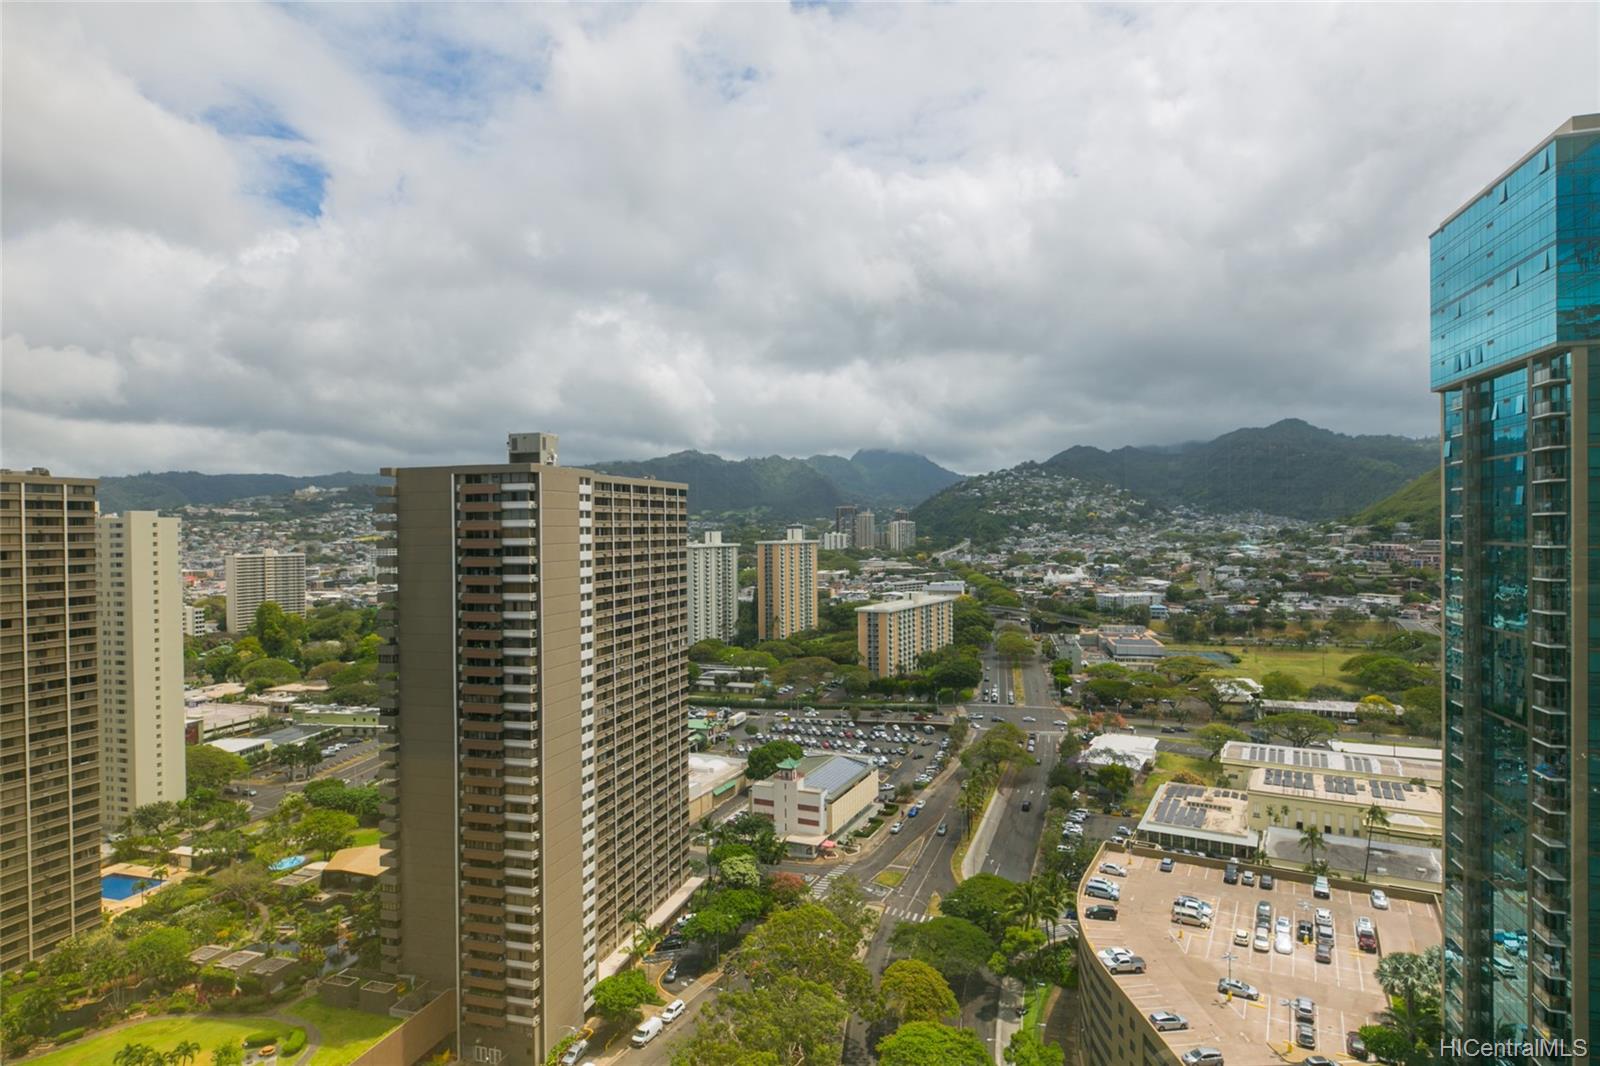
point(891, 635)
point(713, 780)
point(1339, 710)
point(1385, 762)
point(815, 800)
point(1344, 804)
point(1130, 644)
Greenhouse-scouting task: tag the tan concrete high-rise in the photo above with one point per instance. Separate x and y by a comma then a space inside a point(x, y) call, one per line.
point(536, 734)
point(49, 713)
point(141, 663)
point(890, 636)
point(786, 585)
point(864, 534)
point(278, 577)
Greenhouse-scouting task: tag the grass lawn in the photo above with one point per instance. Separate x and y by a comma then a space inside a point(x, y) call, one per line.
point(1037, 998)
point(890, 878)
point(164, 1034)
point(365, 837)
point(1168, 764)
point(1309, 666)
point(345, 1034)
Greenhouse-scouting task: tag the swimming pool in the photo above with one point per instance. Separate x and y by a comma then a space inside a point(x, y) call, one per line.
point(287, 864)
point(121, 886)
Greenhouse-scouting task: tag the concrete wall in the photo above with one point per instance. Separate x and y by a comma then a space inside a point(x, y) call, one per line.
point(417, 1036)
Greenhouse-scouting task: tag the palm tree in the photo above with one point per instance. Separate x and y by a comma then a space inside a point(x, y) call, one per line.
point(1311, 842)
point(1030, 905)
point(1413, 980)
point(1375, 817)
point(136, 1055)
point(184, 1053)
point(1057, 897)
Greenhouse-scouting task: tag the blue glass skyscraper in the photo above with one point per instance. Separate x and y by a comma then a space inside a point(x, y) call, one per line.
point(1515, 358)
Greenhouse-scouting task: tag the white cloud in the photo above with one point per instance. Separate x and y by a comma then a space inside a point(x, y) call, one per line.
point(985, 233)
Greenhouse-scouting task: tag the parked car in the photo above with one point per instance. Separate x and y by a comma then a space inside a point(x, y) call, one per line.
point(1167, 1021)
point(1263, 911)
point(671, 943)
point(647, 1031)
point(1320, 888)
point(1121, 960)
point(673, 1011)
point(1380, 899)
point(1355, 1046)
point(575, 1052)
point(896, 827)
point(1267, 882)
point(1202, 1056)
point(1305, 1009)
point(1304, 932)
point(1305, 1035)
point(1113, 869)
point(1242, 989)
point(1248, 879)
point(1166, 865)
point(1101, 912)
point(1263, 939)
point(1324, 952)
point(1230, 875)
point(1241, 938)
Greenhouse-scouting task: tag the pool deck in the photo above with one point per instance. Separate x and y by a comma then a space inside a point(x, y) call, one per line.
point(172, 876)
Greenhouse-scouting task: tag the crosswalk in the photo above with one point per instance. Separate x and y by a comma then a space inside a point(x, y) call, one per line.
point(902, 914)
point(823, 884)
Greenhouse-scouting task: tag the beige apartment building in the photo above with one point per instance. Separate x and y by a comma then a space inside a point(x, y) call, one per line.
point(266, 576)
point(713, 589)
point(864, 531)
point(535, 734)
point(786, 585)
point(890, 635)
point(902, 535)
point(49, 713)
point(141, 663)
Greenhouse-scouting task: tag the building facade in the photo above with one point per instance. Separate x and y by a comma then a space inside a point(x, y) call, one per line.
point(844, 519)
point(890, 635)
point(193, 621)
point(141, 663)
point(1515, 321)
point(536, 734)
point(256, 579)
point(49, 713)
point(834, 541)
point(902, 535)
point(864, 531)
point(786, 585)
point(713, 589)
point(814, 800)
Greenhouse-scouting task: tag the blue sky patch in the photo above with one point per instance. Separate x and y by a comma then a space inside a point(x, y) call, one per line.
point(301, 185)
point(250, 116)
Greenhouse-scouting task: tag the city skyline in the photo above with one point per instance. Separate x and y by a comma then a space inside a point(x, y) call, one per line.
point(963, 243)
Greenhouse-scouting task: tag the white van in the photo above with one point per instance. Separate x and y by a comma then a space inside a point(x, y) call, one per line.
point(648, 1030)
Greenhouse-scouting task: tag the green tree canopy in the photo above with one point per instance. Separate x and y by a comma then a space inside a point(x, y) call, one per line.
point(808, 942)
point(269, 672)
point(210, 767)
point(983, 899)
point(954, 946)
point(1215, 736)
point(932, 1044)
point(789, 1021)
point(764, 760)
point(620, 996)
point(740, 871)
point(325, 831)
point(915, 992)
point(1298, 728)
point(1277, 685)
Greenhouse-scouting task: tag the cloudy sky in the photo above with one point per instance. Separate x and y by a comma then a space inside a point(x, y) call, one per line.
point(300, 239)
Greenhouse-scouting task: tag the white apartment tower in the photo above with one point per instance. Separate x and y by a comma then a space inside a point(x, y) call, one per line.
point(256, 579)
point(713, 589)
point(140, 583)
point(902, 535)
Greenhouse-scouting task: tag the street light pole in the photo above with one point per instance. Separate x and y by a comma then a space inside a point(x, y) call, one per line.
point(1230, 956)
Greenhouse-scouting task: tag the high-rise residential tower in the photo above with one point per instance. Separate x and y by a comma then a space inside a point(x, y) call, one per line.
point(713, 589)
point(536, 734)
point(890, 635)
point(49, 713)
point(256, 579)
point(1515, 358)
point(786, 585)
point(902, 535)
point(865, 533)
point(141, 663)
point(844, 519)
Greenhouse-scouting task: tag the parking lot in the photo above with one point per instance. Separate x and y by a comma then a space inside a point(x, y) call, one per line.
point(902, 750)
point(1184, 963)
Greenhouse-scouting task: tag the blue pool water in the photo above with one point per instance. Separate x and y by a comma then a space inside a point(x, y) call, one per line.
point(121, 886)
point(287, 864)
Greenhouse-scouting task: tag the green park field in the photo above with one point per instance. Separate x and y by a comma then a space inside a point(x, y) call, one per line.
point(1309, 666)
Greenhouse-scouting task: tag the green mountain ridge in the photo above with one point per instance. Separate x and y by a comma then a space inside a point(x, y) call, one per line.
point(794, 488)
point(1290, 468)
point(1416, 502)
point(173, 489)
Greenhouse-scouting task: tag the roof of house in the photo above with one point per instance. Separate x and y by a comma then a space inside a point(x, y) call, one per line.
point(364, 861)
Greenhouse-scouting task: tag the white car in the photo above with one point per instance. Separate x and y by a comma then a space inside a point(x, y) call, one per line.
point(673, 1011)
point(1283, 925)
point(1029, 718)
point(1241, 938)
point(896, 827)
point(1262, 940)
point(1380, 899)
point(1113, 869)
point(1283, 944)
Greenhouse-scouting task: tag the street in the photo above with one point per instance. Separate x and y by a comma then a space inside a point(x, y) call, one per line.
point(357, 764)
